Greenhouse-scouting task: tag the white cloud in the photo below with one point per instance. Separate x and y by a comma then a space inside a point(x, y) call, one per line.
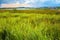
point(15, 5)
point(57, 1)
point(34, 1)
point(30, 1)
point(43, 0)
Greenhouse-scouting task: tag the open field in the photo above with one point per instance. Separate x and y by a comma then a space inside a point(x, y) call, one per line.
point(29, 25)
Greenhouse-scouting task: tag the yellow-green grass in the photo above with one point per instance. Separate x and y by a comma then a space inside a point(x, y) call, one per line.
point(29, 26)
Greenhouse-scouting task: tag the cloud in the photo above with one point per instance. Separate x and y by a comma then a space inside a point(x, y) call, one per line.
point(57, 1)
point(30, 1)
point(36, 2)
point(7, 1)
point(33, 3)
point(15, 5)
point(42, 1)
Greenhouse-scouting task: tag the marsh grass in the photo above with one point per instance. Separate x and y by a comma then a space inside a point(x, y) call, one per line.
point(23, 26)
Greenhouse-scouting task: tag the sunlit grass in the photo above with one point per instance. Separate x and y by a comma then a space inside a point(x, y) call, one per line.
point(24, 26)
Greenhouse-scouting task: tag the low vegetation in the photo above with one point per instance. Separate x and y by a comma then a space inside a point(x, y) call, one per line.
point(42, 25)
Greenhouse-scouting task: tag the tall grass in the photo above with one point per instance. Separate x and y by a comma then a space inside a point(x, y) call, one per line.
point(22, 26)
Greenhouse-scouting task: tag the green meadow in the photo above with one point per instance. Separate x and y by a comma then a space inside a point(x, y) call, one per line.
point(43, 25)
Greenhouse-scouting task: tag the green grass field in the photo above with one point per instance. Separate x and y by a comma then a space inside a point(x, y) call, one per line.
point(30, 26)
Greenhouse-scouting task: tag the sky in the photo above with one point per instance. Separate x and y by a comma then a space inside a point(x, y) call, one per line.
point(29, 3)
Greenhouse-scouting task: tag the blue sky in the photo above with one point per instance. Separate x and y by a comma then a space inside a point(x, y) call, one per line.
point(33, 3)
